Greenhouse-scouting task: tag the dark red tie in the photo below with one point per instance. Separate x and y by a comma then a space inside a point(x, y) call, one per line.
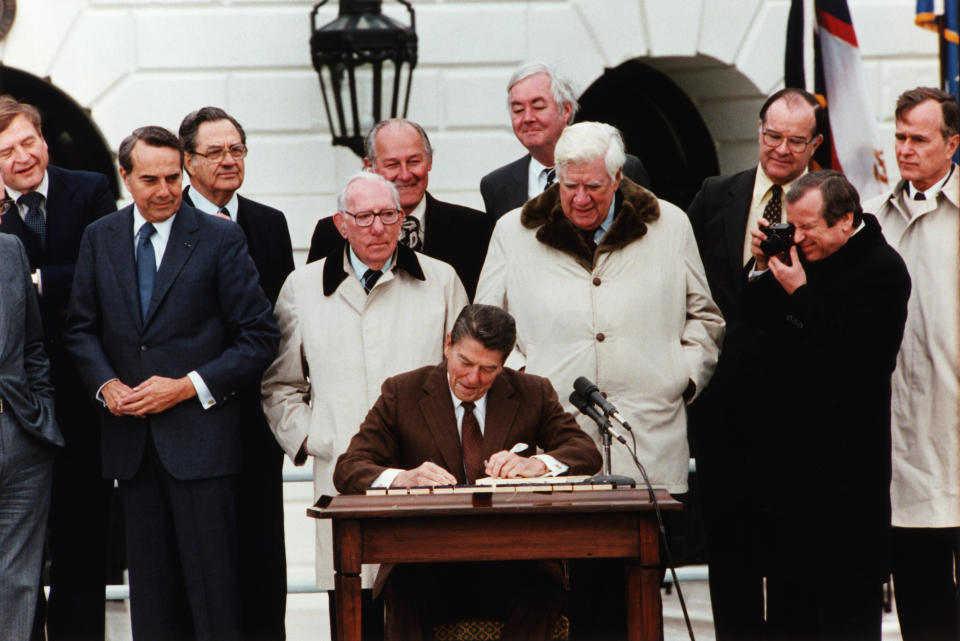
point(472, 443)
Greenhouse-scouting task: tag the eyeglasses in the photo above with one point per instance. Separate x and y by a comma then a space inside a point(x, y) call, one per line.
point(365, 218)
point(795, 144)
point(217, 154)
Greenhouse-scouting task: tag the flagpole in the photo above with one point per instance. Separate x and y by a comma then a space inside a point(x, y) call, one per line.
point(809, 27)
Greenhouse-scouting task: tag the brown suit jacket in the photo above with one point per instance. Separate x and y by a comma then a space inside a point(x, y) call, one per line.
point(413, 421)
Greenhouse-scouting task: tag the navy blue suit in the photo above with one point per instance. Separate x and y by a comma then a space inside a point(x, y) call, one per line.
point(80, 499)
point(209, 315)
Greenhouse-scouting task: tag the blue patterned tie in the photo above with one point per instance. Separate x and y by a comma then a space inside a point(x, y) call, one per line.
point(34, 218)
point(146, 267)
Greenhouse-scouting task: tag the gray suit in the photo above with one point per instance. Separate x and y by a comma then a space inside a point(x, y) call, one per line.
point(29, 437)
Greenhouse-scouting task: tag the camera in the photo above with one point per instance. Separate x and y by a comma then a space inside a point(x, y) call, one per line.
point(779, 239)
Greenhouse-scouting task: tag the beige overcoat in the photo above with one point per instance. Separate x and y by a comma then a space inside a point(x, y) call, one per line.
point(636, 318)
point(339, 344)
point(925, 489)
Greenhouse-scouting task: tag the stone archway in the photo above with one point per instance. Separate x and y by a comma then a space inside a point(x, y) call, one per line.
point(659, 123)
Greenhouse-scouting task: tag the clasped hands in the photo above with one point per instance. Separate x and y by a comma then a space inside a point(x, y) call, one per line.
point(791, 277)
point(152, 396)
point(503, 464)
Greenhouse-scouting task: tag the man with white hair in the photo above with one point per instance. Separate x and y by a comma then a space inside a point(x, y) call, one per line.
point(605, 281)
point(541, 103)
point(372, 309)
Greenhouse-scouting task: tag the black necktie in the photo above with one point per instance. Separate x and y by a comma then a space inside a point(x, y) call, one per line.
point(226, 212)
point(551, 176)
point(919, 196)
point(410, 233)
point(771, 213)
point(146, 267)
point(34, 218)
point(472, 441)
point(370, 278)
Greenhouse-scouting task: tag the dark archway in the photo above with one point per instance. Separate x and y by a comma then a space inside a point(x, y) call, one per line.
point(659, 123)
point(74, 140)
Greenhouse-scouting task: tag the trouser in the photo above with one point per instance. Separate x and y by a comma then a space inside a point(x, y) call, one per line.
point(810, 606)
point(925, 563)
point(182, 554)
point(26, 475)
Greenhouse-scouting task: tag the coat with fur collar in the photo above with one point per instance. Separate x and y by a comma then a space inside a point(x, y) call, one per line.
point(636, 317)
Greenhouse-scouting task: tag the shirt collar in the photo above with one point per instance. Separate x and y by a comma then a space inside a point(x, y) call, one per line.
point(360, 268)
point(931, 193)
point(480, 405)
point(762, 184)
point(162, 228)
point(207, 207)
point(41, 189)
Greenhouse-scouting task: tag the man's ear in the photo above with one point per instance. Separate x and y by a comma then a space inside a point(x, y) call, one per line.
point(340, 223)
point(367, 164)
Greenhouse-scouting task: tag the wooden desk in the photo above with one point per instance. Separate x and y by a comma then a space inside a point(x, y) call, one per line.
point(493, 527)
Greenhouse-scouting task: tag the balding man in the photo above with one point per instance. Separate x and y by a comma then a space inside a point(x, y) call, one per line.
point(604, 281)
point(723, 214)
point(541, 103)
point(920, 218)
point(372, 309)
point(400, 151)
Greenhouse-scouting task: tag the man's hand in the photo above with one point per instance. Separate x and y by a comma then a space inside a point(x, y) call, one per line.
point(426, 474)
point(157, 394)
point(114, 394)
point(507, 465)
point(756, 237)
point(792, 276)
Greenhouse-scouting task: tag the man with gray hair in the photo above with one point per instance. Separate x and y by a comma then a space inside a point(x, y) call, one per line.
point(400, 151)
point(541, 103)
point(371, 309)
point(605, 281)
point(921, 220)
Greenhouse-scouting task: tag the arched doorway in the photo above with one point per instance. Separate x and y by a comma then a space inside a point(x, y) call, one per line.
point(659, 123)
point(73, 139)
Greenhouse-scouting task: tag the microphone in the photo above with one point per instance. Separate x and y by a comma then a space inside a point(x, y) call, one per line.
point(591, 393)
point(590, 411)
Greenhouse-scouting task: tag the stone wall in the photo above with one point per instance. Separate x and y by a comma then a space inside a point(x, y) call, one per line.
point(134, 62)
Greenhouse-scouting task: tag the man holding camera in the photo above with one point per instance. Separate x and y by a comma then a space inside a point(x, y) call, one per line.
point(829, 312)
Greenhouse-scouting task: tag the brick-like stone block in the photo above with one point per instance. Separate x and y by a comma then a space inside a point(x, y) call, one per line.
point(223, 37)
point(886, 28)
point(290, 165)
point(616, 26)
point(761, 57)
point(463, 158)
point(673, 31)
point(476, 98)
point(899, 75)
point(93, 44)
point(732, 120)
point(155, 99)
point(470, 34)
point(276, 101)
point(724, 25)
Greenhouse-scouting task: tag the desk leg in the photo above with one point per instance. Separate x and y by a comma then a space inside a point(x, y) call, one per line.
point(643, 603)
point(347, 598)
point(346, 560)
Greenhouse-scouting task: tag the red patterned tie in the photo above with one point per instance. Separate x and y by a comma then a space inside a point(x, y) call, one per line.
point(472, 443)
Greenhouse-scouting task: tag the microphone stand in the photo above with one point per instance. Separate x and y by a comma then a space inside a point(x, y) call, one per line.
point(609, 476)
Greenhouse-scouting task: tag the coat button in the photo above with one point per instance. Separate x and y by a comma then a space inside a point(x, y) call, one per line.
point(601, 337)
point(597, 281)
point(143, 348)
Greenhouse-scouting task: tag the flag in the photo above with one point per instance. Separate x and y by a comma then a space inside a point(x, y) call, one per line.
point(822, 43)
point(943, 18)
